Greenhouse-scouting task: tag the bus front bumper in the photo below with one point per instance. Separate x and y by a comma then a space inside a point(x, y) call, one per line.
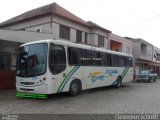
point(42, 89)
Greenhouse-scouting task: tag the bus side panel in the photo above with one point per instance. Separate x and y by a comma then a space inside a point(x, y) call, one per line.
point(92, 77)
point(61, 82)
point(128, 76)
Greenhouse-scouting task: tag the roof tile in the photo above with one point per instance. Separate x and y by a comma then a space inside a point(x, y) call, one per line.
point(27, 15)
point(53, 8)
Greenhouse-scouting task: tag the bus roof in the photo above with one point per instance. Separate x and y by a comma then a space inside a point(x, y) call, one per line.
point(77, 45)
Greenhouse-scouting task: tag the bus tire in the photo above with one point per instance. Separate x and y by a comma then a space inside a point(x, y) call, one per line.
point(75, 88)
point(119, 82)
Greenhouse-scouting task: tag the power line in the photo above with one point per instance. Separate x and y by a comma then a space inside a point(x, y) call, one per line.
point(146, 21)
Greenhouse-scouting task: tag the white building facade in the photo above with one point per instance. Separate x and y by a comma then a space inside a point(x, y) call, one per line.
point(54, 22)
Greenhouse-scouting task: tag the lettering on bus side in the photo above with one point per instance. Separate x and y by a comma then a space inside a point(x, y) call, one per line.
point(111, 72)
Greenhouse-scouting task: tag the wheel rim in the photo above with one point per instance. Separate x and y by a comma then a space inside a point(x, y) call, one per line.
point(74, 88)
point(119, 82)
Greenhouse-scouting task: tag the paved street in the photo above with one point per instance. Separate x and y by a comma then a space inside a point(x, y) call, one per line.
point(131, 98)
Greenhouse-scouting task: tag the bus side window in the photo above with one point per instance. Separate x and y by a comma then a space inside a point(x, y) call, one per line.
point(103, 57)
point(57, 59)
point(74, 56)
point(108, 59)
point(91, 56)
point(129, 62)
point(121, 61)
point(114, 60)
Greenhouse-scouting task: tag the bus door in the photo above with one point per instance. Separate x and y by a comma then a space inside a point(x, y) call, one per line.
point(57, 64)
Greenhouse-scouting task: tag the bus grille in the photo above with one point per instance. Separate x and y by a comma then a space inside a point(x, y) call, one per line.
point(27, 83)
point(27, 89)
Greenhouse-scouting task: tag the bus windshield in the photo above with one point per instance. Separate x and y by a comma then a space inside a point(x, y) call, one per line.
point(32, 60)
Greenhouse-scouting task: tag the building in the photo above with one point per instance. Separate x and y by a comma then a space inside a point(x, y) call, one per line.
point(118, 43)
point(146, 56)
point(51, 21)
point(156, 59)
point(48, 22)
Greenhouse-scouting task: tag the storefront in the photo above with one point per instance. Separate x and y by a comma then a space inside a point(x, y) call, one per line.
point(8, 55)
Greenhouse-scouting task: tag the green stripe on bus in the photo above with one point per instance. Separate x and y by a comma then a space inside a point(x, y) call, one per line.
point(65, 79)
point(69, 78)
point(125, 72)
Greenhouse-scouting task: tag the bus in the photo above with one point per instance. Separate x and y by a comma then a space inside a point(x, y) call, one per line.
point(55, 66)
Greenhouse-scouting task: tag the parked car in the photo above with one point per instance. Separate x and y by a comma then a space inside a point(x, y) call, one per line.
point(146, 76)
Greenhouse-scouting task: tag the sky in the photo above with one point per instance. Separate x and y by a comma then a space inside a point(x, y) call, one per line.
point(132, 18)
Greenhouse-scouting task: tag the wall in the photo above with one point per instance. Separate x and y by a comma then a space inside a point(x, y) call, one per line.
point(93, 39)
point(136, 49)
point(148, 52)
point(30, 23)
point(11, 49)
point(53, 28)
point(125, 42)
point(45, 28)
point(156, 54)
point(7, 79)
point(97, 32)
point(57, 21)
point(137, 69)
point(92, 34)
point(22, 36)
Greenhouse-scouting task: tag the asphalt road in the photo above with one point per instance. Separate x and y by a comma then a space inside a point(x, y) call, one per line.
point(133, 98)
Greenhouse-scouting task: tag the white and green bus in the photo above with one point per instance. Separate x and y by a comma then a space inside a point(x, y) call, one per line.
point(54, 66)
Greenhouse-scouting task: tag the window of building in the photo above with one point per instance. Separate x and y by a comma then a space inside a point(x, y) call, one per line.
point(64, 32)
point(38, 29)
point(127, 50)
point(79, 36)
point(100, 41)
point(86, 36)
point(143, 50)
point(57, 59)
point(5, 61)
point(158, 57)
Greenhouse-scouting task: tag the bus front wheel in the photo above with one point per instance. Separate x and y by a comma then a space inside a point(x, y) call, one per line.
point(75, 88)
